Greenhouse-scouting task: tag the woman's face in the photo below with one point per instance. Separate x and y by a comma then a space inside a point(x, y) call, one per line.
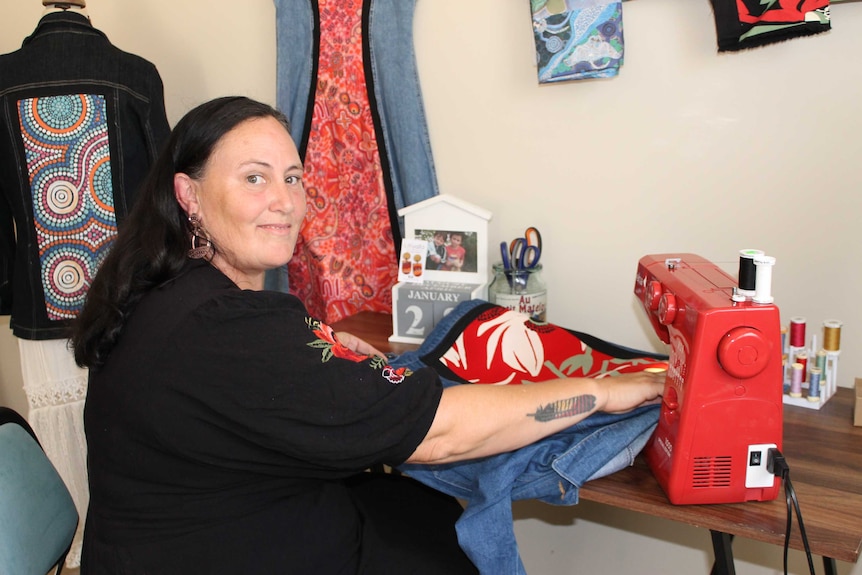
point(251, 200)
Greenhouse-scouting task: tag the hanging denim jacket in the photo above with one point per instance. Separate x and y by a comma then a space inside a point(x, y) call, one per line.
point(393, 81)
point(80, 124)
point(394, 92)
point(551, 470)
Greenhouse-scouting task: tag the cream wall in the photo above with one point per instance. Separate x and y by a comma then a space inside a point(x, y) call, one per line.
point(685, 151)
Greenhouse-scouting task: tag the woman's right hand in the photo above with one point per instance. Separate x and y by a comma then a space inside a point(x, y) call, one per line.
point(627, 391)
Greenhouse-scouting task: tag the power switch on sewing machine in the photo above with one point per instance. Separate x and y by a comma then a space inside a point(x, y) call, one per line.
point(757, 474)
point(743, 352)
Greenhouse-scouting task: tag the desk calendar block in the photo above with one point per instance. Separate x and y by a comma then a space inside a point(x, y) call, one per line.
point(417, 308)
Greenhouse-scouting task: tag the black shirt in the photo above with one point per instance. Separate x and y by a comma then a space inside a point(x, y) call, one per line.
point(221, 427)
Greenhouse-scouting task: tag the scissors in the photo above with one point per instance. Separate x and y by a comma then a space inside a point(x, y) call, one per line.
point(524, 252)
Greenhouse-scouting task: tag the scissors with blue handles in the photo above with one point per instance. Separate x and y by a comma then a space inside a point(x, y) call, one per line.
point(522, 253)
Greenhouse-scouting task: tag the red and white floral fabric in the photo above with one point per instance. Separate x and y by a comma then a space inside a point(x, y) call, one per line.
point(502, 347)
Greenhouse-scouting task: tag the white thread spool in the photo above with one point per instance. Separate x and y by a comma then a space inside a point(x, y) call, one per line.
point(763, 279)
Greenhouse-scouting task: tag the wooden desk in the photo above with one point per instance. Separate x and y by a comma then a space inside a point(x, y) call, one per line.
point(822, 448)
point(824, 452)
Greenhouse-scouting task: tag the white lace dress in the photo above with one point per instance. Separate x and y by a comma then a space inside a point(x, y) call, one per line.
point(56, 389)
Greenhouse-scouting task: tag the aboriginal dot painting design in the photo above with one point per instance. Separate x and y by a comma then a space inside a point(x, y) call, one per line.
point(69, 164)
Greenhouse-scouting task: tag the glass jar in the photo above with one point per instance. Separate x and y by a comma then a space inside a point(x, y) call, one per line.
point(523, 291)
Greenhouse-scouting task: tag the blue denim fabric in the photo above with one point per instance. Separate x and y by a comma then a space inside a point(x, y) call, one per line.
point(393, 83)
point(295, 61)
point(66, 55)
point(399, 101)
point(295, 33)
point(551, 470)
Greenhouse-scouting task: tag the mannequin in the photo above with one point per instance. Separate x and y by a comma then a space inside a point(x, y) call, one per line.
point(73, 103)
point(64, 5)
point(77, 6)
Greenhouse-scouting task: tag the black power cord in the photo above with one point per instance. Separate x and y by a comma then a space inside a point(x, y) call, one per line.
point(777, 465)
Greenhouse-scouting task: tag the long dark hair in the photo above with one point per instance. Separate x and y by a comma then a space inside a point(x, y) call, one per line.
point(152, 244)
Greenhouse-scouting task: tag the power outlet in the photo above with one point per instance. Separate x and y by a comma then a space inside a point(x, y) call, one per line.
point(756, 473)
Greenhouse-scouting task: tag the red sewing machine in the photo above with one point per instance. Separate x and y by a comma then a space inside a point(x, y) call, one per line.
point(722, 405)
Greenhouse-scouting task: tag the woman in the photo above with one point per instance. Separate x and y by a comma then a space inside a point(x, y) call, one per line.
point(227, 431)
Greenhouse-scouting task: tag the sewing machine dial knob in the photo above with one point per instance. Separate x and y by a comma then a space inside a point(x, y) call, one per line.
point(743, 352)
point(667, 309)
point(652, 294)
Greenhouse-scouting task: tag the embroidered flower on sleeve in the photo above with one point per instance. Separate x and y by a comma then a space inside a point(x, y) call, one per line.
point(395, 375)
point(331, 347)
point(328, 342)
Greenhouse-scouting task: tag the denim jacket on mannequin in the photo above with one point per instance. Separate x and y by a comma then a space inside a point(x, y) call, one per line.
point(67, 56)
point(551, 470)
point(393, 83)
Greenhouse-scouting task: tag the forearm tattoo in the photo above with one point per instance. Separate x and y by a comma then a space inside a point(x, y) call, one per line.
point(565, 408)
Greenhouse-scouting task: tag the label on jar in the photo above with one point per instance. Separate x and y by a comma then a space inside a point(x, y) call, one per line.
point(533, 304)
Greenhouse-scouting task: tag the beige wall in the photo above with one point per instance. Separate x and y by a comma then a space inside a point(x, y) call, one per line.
point(685, 151)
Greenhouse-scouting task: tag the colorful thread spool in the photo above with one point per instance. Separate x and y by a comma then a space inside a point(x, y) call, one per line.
point(797, 331)
point(796, 380)
point(814, 384)
point(802, 358)
point(820, 361)
point(832, 335)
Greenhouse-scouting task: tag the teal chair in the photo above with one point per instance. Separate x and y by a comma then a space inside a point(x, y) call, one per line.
point(37, 515)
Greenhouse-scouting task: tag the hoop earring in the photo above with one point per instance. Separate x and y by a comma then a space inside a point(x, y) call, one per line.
point(202, 247)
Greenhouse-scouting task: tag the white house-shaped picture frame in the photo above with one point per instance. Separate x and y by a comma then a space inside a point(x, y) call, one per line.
point(417, 307)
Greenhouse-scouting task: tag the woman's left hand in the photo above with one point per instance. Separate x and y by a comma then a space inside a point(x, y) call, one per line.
point(357, 345)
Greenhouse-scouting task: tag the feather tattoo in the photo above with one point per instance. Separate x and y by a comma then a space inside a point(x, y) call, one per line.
point(565, 408)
